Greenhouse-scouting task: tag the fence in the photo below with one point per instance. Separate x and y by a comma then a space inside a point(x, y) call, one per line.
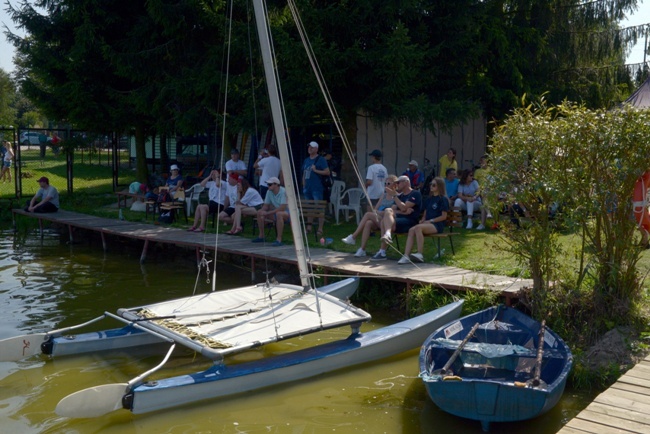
point(72, 160)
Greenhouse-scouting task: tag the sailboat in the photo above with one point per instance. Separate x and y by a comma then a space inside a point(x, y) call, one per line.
point(223, 323)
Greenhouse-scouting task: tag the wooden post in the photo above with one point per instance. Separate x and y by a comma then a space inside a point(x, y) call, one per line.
point(103, 241)
point(143, 256)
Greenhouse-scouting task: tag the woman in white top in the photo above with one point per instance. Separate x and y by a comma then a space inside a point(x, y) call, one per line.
point(249, 203)
point(217, 196)
point(468, 196)
point(6, 164)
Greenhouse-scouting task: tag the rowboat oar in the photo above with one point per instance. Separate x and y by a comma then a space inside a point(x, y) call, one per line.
point(452, 359)
point(536, 381)
point(21, 347)
point(100, 400)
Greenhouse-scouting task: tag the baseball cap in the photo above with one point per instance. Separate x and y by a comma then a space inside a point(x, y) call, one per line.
point(234, 151)
point(403, 178)
point(234, 176)
point(173, 167)
point(313, 145)
point(376, 153)
point(414, 163)
point(43, 179)
point(272, 180)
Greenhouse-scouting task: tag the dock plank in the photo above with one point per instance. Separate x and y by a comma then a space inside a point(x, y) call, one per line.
point(624, 407)
point(443, 276)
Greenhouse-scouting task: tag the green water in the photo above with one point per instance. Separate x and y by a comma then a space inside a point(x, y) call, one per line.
point(48, 284)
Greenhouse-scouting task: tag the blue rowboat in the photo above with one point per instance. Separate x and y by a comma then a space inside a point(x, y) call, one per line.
point(488, 366)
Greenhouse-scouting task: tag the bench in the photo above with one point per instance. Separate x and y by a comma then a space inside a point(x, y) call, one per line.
point(309, 210)
point(454, 220)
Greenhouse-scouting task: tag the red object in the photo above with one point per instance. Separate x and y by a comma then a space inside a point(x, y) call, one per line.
point(640, 201)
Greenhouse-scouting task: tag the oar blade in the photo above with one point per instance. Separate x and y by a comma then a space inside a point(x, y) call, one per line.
point(92, 402)
point(20, 347)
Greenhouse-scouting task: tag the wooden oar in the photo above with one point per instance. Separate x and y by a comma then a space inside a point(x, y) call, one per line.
point(453, 357)
point(535, 381)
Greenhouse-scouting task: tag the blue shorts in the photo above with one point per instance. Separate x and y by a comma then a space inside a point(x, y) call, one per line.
point(7, 163)
point(403, 224)
point(313, 195)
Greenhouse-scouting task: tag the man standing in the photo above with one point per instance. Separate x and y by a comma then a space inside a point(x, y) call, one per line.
point(46, 198)
point(313, 168)
point(235, 165)
point(273, 210)
point(401, 216)
point(415, 175)
point(270, 165)
point(375, 178)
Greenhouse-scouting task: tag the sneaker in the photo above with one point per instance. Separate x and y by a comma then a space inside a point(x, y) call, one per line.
point(379, 257)
point(387, 238)
point(258, 240)
point(417, 257)
point(470, 224)
point(403, 260)
point(349, 240)
point(277, 243)
point(360, 253)
point(480, 227)
point(489, 215)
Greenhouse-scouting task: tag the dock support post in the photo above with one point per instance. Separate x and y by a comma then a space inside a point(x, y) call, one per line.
point(144, 251)
point(40, 226)
point(70, 234)
point(103, 241)
point(253, 269)
point(198, 255)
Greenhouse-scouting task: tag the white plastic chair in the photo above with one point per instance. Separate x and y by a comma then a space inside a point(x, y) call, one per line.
point(350, 200)
point(192, 197)
point(335, 196)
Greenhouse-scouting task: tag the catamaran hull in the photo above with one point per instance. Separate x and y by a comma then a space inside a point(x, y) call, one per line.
point(220, 381)
point(132, 336)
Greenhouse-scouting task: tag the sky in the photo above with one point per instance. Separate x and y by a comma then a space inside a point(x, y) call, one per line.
point(641, 16)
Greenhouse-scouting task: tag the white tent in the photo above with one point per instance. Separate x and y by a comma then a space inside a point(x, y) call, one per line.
point(641, 97)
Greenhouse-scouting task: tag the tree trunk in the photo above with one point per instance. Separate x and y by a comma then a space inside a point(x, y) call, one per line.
point(140, 154)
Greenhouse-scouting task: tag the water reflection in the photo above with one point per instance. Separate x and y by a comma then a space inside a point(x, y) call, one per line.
point(47, 284)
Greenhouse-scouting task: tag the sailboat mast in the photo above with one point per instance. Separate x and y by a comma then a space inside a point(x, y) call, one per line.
point(280, 133)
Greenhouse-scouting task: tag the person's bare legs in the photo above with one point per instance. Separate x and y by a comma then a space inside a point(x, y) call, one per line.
point(199, 216)
point(368, 227)
point(261, 222)
point(279, 223)
point(369, 216)
point(236, 218)
point(387, 222)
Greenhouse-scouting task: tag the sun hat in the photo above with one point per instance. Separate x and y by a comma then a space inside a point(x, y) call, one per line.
point(413, 163)
point(272, 180)
point(173, 167)
point(313, 145)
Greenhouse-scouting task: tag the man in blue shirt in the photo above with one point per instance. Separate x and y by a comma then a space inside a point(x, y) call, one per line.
point(313, 168)
point(415, 176)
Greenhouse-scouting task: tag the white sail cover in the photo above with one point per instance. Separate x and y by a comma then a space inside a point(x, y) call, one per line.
point(225, 322)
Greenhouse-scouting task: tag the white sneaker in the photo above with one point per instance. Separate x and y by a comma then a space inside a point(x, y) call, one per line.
point(417, 257)
point(360, 253)
point(349, 240)
point(403, 260)
point(480, 227)
point(470, 224)
point(387, 237)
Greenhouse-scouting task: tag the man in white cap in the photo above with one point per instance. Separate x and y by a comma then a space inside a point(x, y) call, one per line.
point(235, 165)
point(415, 175)
point(399, 218)
point(375, 178)
point(273, 210)
point(313, 169)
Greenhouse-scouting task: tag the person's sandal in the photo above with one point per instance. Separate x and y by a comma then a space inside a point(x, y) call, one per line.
point(191, 229)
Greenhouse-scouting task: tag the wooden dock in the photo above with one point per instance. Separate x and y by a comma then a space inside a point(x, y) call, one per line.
point(623, 408)
point(443, 276)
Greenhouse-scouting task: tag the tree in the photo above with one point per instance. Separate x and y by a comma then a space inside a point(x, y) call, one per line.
point(7, 98)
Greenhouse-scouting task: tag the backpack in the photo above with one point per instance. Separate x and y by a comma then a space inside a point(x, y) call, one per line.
point(328, 182)
point(165, 217)
point(164, 196)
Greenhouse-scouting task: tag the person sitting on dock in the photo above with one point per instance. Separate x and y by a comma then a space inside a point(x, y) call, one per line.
point(217, 198)
point(248, 204)
point(232, 197)
point(273, 210)
point(399, 218)
point(45, 200)
point(432, 222)
point(370, 220)
point(175, 180)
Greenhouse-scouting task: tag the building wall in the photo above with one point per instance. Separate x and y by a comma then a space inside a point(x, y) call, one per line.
point(404, 142)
